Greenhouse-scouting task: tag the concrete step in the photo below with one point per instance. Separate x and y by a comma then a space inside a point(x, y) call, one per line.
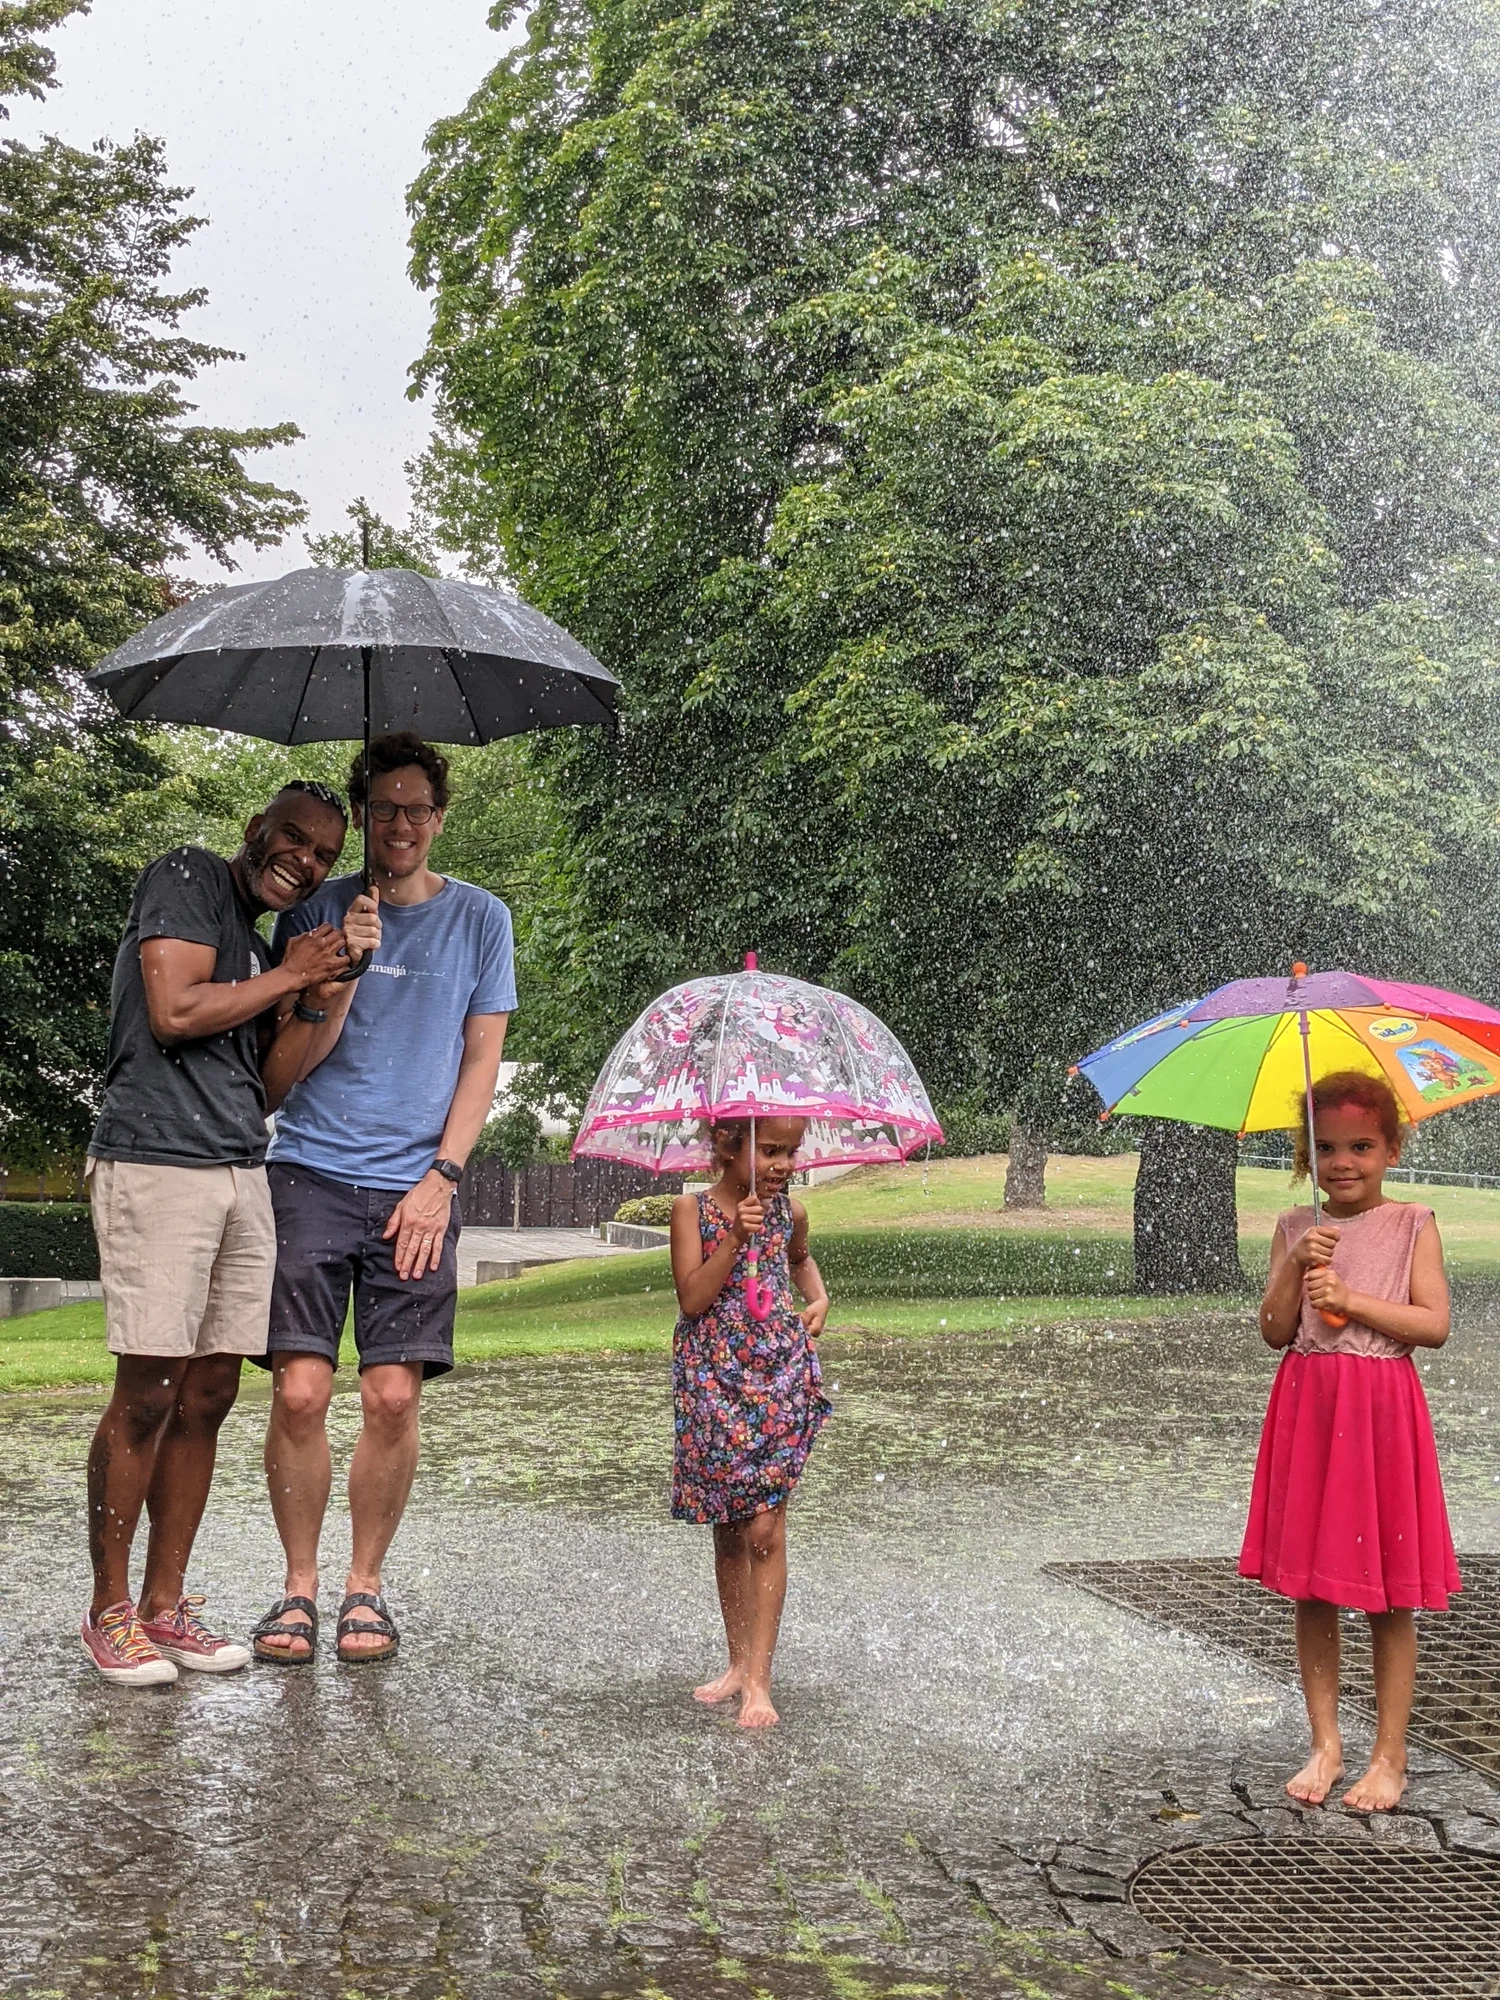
point(29, 1295)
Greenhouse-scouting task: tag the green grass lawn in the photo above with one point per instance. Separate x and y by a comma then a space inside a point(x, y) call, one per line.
point(901, 1259)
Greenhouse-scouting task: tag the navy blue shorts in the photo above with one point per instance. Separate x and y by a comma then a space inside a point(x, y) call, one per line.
point(328, 1243)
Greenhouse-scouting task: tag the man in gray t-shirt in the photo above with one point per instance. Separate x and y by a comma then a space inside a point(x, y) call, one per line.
point(181, 1210)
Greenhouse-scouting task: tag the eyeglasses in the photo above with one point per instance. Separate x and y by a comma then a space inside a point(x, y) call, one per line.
point(385, 810)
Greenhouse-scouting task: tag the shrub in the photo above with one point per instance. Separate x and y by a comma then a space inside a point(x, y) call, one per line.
point(651, 1211)
point(47, 1239)
point(969, 1131)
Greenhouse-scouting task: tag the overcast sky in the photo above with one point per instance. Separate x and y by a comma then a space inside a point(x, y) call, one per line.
point(299, 125)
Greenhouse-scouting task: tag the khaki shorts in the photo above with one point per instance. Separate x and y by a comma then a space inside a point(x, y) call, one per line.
point(186, 1255)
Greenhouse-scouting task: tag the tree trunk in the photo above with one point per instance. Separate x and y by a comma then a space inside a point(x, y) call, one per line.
point(1186, 1227)
point(1026, 1165)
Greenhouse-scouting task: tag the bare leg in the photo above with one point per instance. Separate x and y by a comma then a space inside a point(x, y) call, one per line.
point(766, 1540)
point(1393, 1635)
point(183, 1473)
point(122, 1458)
point(1318, 1660)
point(380, 1476)
point(299, 1477)
point(732, 1575)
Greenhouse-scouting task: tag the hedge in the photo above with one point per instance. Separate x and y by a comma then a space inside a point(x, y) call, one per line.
point(968, 1264)
point(47, 1239)
point(649, 1211)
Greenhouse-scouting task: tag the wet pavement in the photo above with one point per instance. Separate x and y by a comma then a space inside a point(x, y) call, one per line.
point(973, 1756)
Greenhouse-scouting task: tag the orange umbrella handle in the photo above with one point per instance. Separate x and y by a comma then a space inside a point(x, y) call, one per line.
point(1332, 1319)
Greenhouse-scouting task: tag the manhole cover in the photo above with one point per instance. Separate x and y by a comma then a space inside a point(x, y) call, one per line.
point(1457, 1707)
point(1342, 1917)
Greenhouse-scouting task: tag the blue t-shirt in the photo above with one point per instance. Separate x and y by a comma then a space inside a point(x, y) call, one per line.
point(372, 1112)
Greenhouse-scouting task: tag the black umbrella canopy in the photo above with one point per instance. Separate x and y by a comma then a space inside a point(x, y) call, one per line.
point(287, 660)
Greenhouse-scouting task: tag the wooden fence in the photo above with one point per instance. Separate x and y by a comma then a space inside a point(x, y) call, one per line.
point(553, 1197)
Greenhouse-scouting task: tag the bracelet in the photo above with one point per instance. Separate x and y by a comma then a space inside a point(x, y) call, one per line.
point(309, 1013)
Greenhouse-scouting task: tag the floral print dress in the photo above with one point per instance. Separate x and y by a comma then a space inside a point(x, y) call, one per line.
point(747, 1394)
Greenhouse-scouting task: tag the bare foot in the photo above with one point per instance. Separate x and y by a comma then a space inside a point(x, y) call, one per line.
point(726, 1685)
point(756, 1711)
point(1380, 1789)
point(1318, 1776)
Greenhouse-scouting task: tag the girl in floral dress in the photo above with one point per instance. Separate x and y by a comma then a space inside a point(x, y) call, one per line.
point(747, 1392)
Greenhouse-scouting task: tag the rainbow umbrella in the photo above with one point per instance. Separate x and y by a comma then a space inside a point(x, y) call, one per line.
point(1244, 1057)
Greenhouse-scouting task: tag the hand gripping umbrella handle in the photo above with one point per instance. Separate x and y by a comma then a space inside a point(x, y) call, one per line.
point(1332, 1319)
point(354, 968)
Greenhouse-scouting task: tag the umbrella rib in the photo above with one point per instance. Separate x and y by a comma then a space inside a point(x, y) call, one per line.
point(312, 668)
point(448, 652)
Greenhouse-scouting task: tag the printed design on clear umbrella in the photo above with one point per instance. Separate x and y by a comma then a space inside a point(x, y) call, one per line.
point(1243, 1058)
point(752, 1045)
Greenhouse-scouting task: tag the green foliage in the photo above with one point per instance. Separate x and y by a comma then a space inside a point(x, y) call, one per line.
point(513, 1137)
point(1036, 472)
point(105, 483)
point(411, 547)
point(47, 1239)
point(650, 1211)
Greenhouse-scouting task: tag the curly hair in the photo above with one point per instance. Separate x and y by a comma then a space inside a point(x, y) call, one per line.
point(1354, 1087)
point(726, 1138)
point(395, 753)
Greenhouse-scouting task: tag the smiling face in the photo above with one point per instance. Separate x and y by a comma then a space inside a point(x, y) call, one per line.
point(1352, 1155)
point(288, 851)
point(399, 849)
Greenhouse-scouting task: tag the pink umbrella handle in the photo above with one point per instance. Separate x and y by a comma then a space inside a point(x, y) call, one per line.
point(758, 1297)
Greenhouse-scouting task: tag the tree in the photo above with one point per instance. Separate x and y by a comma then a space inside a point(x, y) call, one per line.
point(105, 484)
point(1035, 470)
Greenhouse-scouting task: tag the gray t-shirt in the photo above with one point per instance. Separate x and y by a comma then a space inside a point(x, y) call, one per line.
point(197, 1104)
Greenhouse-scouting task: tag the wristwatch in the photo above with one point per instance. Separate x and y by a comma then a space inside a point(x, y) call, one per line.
point(304, 1013)
point(449, 1169)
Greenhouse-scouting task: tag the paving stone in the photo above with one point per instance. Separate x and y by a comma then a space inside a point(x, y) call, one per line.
point(1091, 1887)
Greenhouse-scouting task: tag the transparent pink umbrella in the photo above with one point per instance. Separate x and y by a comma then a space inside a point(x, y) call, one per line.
point(754, 1044)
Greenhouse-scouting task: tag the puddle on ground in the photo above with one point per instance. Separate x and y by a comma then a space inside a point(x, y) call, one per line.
point(529, 1803)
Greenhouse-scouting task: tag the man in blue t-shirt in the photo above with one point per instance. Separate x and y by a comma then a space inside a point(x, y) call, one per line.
point(390, 1093)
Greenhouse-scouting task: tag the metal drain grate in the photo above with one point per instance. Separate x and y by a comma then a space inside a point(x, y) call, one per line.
point(1346, 1918)
point(1457, 1707)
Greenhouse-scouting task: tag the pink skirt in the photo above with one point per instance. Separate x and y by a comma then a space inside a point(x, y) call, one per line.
point(1347, 1504)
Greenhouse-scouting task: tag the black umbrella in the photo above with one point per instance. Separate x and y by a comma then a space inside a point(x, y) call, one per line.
point(322, 654)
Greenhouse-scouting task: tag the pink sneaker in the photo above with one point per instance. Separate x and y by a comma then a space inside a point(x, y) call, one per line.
point(117, 1644)
point(182, 1636)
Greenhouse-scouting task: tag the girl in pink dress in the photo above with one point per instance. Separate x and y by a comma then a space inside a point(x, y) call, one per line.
point(1347, 1506)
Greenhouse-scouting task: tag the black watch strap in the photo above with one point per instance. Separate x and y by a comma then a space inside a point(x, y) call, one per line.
point(449, 1169)
point(304, 1013)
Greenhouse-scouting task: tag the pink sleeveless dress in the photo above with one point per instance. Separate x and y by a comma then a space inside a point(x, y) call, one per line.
point(1347, 1504)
